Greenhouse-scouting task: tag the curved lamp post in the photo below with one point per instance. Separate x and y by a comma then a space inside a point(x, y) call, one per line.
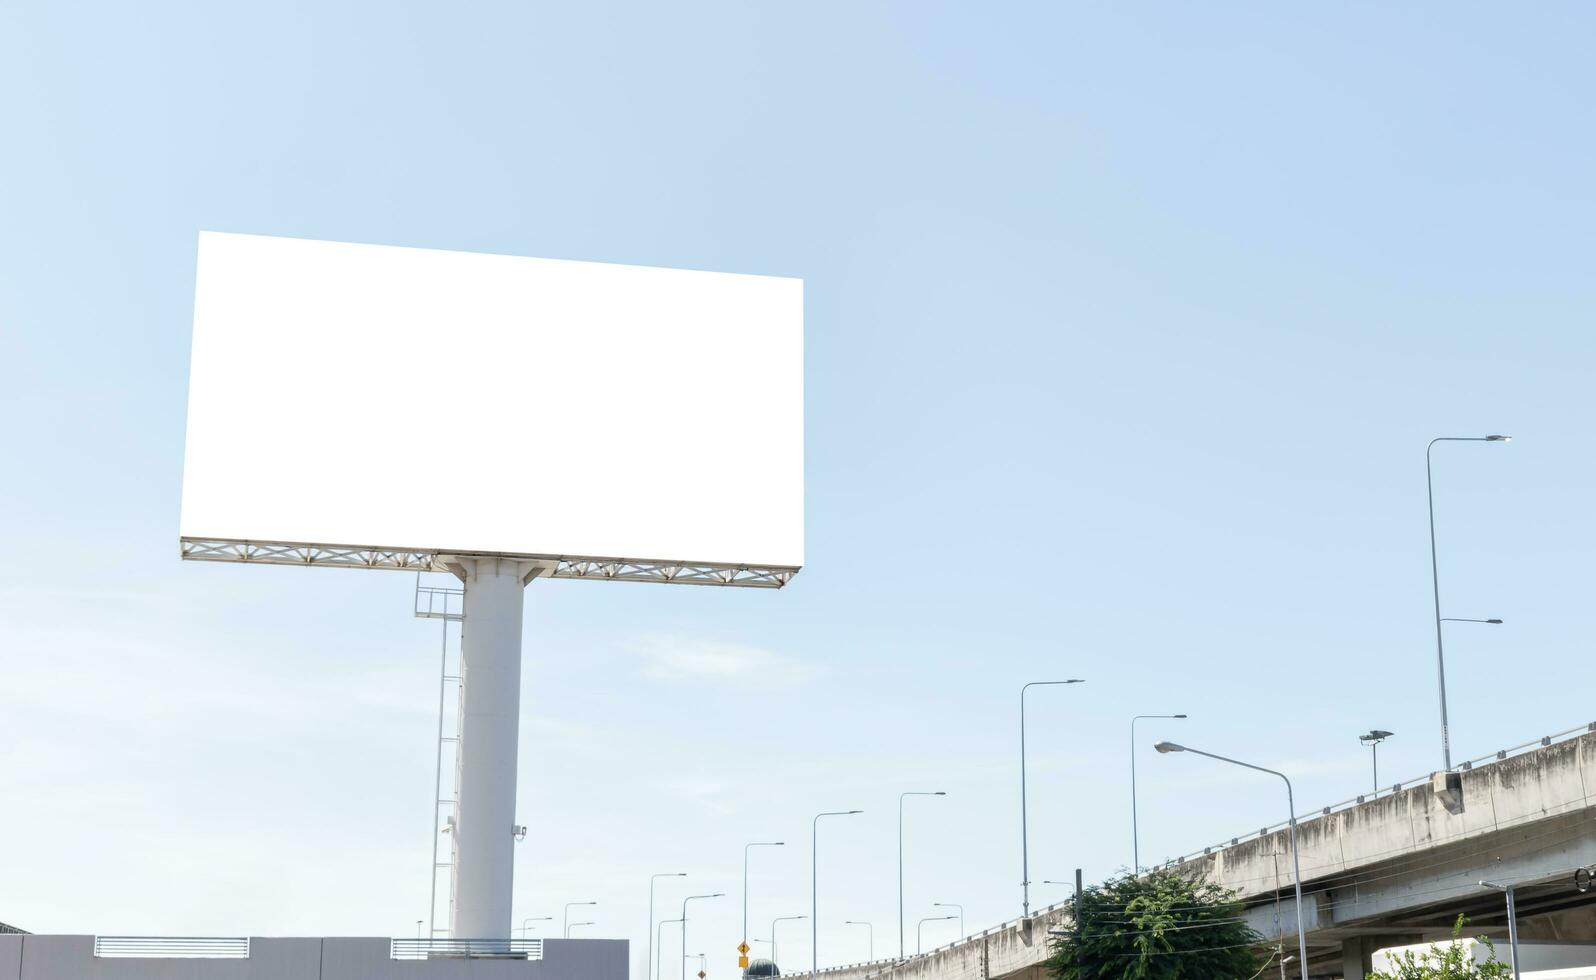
point(651, 880)
point(757, 843)
point(565, 920)
point(952, 905)
point(1025, 835)
point(814, 887)
point(919, 930)
point(1291, 806)
point(659, 947)
point(1435, 582)
point(872, 929)
point(691, 898)
point(900, 861)
point(1136, 841)
point(785, 918)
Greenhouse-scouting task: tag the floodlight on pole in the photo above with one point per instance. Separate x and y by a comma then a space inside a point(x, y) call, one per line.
point(1373, 740)
point(1291, 815)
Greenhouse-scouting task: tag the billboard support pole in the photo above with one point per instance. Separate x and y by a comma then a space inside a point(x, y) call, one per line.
point(489, 729)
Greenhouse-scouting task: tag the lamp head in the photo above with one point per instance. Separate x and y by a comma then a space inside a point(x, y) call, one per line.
point(939, 793)
point(1169, 747)
point(1375, 735)
point(1177, 716)
point(1494, 622)
point(1498, 438)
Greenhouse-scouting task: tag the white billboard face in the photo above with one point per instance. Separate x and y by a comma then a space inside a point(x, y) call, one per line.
point(369, 396)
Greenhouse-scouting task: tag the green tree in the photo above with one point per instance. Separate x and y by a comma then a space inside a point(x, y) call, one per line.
point(1454, 961)
point(1158, 926)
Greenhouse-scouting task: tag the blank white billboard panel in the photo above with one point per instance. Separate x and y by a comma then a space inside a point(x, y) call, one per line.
point(379, 397)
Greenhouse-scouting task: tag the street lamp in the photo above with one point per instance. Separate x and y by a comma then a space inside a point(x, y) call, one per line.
point(565, 921)
point(1291, 806)
point(919, 930)
point(1435, 582)
point(691, 898)
point(785, 918)
point(651, 880)
point(952, 905)
point(573, 926)
point(757, 843)
point(1373, 740)
point(659, 947)
point(900, 859)
point(541, 918)
point(1512, 920)
point(1025, 837)
point(1136, 843)
point(872, 929)
point(701, 958)
point(814, 887)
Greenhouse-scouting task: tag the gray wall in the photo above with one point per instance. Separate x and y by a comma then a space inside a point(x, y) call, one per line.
point(72, 958)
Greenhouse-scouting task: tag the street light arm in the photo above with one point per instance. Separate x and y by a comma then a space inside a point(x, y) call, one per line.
point(1290, 800)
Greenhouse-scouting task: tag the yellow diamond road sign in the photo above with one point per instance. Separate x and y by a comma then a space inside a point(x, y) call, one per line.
point(742, 948)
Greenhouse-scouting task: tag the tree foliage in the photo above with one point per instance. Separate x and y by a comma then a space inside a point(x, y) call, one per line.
point(1156, 926)
point(1454, 961)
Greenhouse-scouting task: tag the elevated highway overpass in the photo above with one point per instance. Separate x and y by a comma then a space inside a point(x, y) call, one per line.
point(1380, 870)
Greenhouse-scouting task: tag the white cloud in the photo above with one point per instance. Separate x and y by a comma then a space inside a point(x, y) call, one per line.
point(674, 657)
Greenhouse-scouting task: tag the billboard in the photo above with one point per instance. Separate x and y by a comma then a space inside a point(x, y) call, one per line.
point(366, 396)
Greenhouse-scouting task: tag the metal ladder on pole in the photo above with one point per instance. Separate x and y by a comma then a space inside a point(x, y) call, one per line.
point(446, 605)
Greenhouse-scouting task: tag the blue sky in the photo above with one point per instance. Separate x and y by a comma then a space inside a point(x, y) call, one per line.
point(1126, 327)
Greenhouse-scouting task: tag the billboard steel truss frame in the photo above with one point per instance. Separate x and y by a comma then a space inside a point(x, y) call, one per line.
point(410, 559)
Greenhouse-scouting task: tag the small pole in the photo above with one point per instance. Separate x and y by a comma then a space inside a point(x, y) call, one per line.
point(1512, 929)
point(1079, 917)
point(1512, 920)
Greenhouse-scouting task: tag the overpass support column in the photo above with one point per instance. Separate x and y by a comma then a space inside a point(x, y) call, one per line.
point(1355, 961)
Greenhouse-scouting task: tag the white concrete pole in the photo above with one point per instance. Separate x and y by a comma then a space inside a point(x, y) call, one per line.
point(489, 728)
